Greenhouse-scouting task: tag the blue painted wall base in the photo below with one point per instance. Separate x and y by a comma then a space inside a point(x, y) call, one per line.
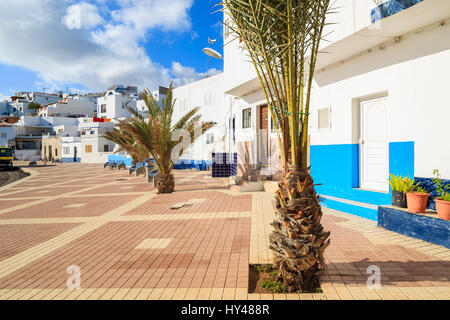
point(335, 169)
point(363, 212)
point(426, 228)
point(70, 160)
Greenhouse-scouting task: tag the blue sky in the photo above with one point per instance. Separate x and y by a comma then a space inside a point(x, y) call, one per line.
point(91, 44)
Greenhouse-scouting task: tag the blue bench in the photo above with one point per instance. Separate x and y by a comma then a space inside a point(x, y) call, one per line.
point(137, 166)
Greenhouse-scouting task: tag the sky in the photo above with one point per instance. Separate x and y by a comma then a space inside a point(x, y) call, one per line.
point(89, 45)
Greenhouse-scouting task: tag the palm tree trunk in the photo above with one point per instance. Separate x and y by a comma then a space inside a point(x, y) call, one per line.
point(298, 241)
point(165, 183)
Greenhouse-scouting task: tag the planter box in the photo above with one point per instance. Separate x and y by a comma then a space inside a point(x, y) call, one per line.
point(417, 226)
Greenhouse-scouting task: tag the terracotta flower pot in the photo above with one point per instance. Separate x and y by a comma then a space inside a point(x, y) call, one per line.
point(443, 208)
point(417, 202)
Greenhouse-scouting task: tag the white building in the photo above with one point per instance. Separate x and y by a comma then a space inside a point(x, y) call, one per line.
point(208, 95)
point(95, 148)
point(116, 101)
point(6, 135)
point(159, 96)
point(380, 102)
point(69, 107)
point(71, 149)
point(21, 100)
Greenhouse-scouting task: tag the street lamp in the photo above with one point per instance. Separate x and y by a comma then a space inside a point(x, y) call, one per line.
point(211, 53)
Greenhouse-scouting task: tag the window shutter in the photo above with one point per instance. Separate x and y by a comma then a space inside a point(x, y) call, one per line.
point(324, 118)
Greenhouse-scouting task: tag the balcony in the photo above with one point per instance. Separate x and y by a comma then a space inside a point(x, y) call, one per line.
point(390, 8)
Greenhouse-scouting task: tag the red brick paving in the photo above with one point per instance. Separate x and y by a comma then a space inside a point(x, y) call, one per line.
point(214, 202)
point(95, 206)
point(17, 238)
point(108, 258)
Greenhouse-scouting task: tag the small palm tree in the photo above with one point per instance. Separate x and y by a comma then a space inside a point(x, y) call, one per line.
point(127, 143)
point(282, 40)
point(159, 137)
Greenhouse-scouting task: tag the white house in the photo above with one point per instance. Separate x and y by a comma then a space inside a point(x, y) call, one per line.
point(116, 101)
point(380, 102)
point(6, 135)
point(71, 149)
point(208, 95)
point(159, 96)
point(69, 107)
point(20, 101)
point(95, 148)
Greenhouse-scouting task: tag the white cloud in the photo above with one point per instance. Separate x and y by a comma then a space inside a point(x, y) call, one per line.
point(185, 75)
point(42, 36)
point(3, 97)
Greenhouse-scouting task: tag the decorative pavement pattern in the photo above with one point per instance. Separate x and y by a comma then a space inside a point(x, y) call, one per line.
point(196, 243)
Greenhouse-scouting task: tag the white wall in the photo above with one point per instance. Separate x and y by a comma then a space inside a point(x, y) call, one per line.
point(116, 106)
point(6, 134)
point(71, 143)
point(71, 107)
point(208, 94)
point(415, 75)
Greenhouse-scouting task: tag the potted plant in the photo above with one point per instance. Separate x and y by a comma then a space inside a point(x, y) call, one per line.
point(417, 199)
point(399, 186)
point(443, 196)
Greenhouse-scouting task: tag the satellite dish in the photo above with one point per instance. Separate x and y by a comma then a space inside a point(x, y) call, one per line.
point(212, 53)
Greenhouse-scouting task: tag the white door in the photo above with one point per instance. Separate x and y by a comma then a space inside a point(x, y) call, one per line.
point(374, 150)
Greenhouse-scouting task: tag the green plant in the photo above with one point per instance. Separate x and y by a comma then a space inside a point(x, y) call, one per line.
point(442, 189)
point(282, 40)
point(401, 184)
point(266, 268)
point(418, 188)
point(155, 135)
point(274, 283)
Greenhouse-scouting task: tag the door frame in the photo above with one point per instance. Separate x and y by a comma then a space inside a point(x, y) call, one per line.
point(361, 140)
point(258, 128)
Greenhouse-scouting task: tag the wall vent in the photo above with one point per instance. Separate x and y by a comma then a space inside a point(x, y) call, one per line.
point(324, 118)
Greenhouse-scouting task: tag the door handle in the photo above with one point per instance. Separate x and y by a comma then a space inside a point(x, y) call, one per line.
point(361, 141)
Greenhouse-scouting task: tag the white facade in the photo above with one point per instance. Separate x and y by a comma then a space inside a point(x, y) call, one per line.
point(6, 134)
point(116, 101)
point(69, 108)
point(95, 148)
point(208, 94)
point(21, 100)
point(71, 149)
point(379, 103)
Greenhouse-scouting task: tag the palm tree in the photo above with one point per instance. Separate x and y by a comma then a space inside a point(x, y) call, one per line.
point(282, 40)
point(163, 141)
point(127, 143)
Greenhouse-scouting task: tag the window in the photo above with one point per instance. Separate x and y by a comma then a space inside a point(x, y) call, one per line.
point(208, 99)
point(88, 148)
point(247, 118)
point(210, 138)
point(103, 108)
point(106, 148)
point(324, 118)
point(66, 150)
point(92, 132)
point(4, 135)
point(56, 152)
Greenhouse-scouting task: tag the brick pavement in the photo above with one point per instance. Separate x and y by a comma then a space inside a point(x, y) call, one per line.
point(130, 244)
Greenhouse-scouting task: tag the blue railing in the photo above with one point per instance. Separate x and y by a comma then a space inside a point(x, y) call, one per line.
point(390, 8)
